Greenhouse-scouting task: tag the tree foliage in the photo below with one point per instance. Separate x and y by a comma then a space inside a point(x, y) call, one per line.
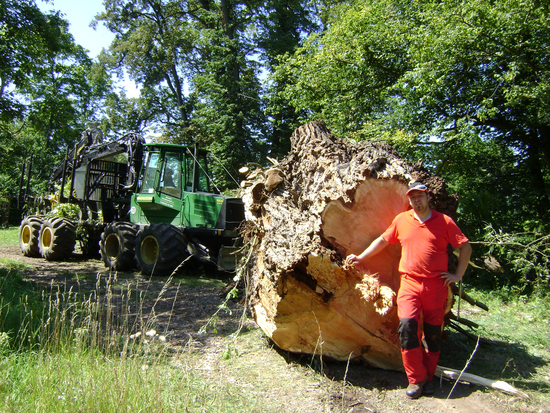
point(49, 88)
point(199, 66)
point(154, 46)
point(343, 74)
point(524, 257)
point(482, 68)
point(25, 34)
point(461, 85)
point(282, 28)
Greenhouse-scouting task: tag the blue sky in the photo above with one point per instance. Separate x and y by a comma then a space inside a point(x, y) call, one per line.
point(80, 14)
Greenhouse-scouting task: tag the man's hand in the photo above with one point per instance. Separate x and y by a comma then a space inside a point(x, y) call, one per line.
point(358, 261)
point(450, 278)
point(352, 259)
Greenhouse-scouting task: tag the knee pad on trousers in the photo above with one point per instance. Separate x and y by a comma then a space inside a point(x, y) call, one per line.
point(408, 333)
point(432, 337)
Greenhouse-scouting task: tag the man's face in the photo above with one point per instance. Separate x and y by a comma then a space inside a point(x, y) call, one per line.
point(419, 200)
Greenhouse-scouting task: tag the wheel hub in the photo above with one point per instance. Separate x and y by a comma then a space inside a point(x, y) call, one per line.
point(149, 250)
point(112, 246)
point(47, 238)
point(26, 235)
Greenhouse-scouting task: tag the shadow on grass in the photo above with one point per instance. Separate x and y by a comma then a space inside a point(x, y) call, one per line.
point(495, 360)
point(372, 385)
point(177, 307)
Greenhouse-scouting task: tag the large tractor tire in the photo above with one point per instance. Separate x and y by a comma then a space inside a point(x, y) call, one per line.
point(160, 249)
point(57, 239)
point(117, 246)
point(29, 232)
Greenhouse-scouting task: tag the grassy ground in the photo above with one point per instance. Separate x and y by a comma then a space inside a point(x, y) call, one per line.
point(67, 353)
point(62, 351)
point(9, 236)
point(514, 344)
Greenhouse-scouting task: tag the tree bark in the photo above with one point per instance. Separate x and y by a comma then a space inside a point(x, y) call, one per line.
point(328, 198)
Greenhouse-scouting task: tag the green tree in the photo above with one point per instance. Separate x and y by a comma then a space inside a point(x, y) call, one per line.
point(49, 89)
point(25, 32)
point(342, 75)
point(229, 114)
point(461, 85)
point(199, 82)
point(482, 66)
point(154, 45)
point(282, 27)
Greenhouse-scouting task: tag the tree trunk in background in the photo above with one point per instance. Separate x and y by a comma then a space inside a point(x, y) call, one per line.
point(328, 198)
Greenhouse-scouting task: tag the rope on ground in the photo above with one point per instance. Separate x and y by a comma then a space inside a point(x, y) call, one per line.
point(464, 369)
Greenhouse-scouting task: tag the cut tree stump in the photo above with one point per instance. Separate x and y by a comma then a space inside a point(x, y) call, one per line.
point(327, 198)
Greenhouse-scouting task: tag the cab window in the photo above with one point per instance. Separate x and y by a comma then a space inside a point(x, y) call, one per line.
point(202, 183)
point(150, 175)
point(170, 179)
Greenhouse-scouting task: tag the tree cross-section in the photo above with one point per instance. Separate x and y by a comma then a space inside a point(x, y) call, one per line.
point(327, 198)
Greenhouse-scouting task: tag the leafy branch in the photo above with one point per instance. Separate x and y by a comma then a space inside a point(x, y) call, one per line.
point(526, 254)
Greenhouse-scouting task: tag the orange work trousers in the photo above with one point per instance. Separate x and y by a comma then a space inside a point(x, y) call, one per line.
point(421, 307)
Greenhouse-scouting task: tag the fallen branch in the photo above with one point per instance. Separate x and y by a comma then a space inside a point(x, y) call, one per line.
point(468, 299)
point(470, 335)
point(451, 374)
point(463, 321)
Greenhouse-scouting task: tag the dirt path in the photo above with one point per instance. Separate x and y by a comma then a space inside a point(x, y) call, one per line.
point(179, 309)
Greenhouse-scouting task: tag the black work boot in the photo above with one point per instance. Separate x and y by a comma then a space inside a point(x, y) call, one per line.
point(415, 389)
point(428, 389)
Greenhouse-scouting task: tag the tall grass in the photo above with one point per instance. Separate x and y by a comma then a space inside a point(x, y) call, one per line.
point(63, 350)
point(78, 381)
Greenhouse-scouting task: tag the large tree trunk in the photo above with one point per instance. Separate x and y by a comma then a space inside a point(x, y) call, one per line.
point(328, 198)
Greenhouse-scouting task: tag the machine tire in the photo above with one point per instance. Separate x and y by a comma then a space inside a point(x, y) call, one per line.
point(57, 239)
point(117, 246)
point(29, 232)
point(160, 249)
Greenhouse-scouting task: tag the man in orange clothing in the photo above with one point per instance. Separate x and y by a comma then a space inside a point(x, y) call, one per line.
point(424, 235)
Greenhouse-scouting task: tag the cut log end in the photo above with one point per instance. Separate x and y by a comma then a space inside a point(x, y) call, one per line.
point(328, 198)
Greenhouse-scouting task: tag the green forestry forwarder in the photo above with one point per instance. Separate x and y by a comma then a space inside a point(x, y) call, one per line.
point(151, 206)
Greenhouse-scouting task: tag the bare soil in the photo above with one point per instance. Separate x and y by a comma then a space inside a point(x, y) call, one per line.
point(288, 382)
